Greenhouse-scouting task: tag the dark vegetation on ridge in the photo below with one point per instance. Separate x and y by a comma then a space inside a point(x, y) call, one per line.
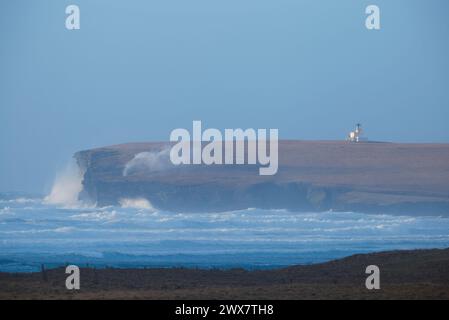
point(416, 274)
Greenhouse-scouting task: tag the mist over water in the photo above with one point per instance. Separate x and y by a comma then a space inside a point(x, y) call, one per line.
point(36, 231)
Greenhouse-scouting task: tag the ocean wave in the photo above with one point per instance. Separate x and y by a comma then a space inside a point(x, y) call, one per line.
point(20, 200)
point(96, 216)
point(5, 210)
point(36, 231)
point(41, 228)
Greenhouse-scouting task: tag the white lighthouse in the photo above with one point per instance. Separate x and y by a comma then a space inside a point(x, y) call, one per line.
point(356, 135)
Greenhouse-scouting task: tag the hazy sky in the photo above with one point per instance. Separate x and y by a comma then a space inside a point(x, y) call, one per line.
point(138, 69)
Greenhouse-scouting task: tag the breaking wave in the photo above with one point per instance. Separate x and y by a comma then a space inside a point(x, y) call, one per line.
point(67, 186)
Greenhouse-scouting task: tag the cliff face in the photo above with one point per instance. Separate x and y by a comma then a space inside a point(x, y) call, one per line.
point(312, 175)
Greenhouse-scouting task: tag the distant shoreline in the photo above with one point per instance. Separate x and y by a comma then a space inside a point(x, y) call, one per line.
point(412, 274)
point(313, 176)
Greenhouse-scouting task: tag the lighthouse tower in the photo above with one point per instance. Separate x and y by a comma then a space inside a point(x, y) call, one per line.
point(356, 135)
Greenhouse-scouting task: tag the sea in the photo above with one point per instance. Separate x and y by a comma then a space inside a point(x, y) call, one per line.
point(36, 233)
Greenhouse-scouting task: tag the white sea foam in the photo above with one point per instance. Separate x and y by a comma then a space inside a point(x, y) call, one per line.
point(20, 200)
point(96, 216)
point(136, 203)
point(64, 229)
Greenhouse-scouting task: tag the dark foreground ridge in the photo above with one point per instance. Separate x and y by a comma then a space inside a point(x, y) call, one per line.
point(313, 175)
point(416, 274)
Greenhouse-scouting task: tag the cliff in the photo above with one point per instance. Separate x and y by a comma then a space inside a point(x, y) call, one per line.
point(313, 175)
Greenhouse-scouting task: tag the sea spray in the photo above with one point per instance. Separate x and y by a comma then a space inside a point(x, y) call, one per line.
point(67, 186)
point(148, 162)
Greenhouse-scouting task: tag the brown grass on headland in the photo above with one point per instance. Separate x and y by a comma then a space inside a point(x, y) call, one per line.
point(417, 274)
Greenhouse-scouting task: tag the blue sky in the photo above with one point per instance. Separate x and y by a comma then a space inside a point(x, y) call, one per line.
point(138, 69)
